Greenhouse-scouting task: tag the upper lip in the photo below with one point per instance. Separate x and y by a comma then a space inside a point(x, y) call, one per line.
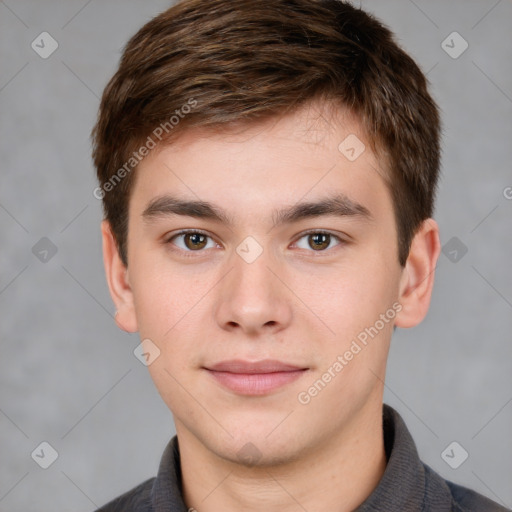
point(264, 366)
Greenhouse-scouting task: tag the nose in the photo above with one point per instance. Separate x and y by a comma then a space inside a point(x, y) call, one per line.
point(251, 299)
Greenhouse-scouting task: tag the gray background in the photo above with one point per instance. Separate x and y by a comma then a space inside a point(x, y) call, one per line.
point(69, 376)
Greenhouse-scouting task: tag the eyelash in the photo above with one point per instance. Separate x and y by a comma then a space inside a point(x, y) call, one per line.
point(189, 253)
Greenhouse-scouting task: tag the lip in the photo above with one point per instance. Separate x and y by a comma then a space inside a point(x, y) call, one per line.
point(254, 378)
point(263, 366)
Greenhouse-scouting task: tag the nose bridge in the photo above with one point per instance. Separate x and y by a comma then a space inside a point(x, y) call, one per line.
point(251, 279)
point(251, 296)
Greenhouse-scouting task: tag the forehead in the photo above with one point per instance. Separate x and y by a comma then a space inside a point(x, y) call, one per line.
point(312, 123)
point(316, 149)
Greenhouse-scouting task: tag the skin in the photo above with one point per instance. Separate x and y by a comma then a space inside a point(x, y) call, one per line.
point(294, 303)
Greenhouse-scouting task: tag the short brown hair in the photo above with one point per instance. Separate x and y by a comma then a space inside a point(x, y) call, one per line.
point(217, 63)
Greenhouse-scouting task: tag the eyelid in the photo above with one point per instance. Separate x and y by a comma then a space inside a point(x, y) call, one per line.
point(187, 231)
point(169, 239)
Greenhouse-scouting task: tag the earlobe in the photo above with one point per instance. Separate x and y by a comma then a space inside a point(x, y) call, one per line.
point(417, 278)
point(118, 282)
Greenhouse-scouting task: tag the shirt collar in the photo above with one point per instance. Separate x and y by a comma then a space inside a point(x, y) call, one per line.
point(405, 485)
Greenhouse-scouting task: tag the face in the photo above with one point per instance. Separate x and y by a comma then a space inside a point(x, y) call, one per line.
point(258, 276)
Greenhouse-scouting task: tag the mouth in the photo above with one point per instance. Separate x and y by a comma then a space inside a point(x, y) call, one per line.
point(254, 378)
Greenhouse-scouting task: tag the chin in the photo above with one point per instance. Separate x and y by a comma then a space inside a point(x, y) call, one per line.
point(258, 446)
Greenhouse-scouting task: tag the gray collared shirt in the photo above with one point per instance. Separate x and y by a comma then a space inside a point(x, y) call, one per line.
point(407, 485)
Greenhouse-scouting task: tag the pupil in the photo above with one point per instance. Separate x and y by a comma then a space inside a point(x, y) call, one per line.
point(320, 240)
point(196, 239)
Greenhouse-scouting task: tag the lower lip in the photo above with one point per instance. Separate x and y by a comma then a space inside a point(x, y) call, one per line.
point(255, 383)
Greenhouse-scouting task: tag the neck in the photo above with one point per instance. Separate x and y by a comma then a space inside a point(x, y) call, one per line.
point(338, 473)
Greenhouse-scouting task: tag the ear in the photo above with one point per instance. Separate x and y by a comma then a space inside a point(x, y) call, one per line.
point(417, 278)
point(118, 281)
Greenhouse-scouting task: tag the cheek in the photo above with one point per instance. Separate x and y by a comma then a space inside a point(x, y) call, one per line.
point(360, 312)
point(153, 307)
point(164, 297)
point(173, 385)
point(348, 294)
point(348, 304)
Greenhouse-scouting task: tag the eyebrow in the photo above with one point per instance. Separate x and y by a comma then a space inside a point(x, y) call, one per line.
point(338, 205)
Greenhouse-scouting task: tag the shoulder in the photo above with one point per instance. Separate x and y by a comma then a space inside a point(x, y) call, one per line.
point(137, 499)
point(463, 499)
point(470, 501)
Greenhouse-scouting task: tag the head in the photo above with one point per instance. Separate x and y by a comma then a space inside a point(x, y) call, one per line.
point(300, 144)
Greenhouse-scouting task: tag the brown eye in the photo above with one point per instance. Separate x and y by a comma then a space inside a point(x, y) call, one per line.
point(194, 241)
point(191, 241)
point(319, 241)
